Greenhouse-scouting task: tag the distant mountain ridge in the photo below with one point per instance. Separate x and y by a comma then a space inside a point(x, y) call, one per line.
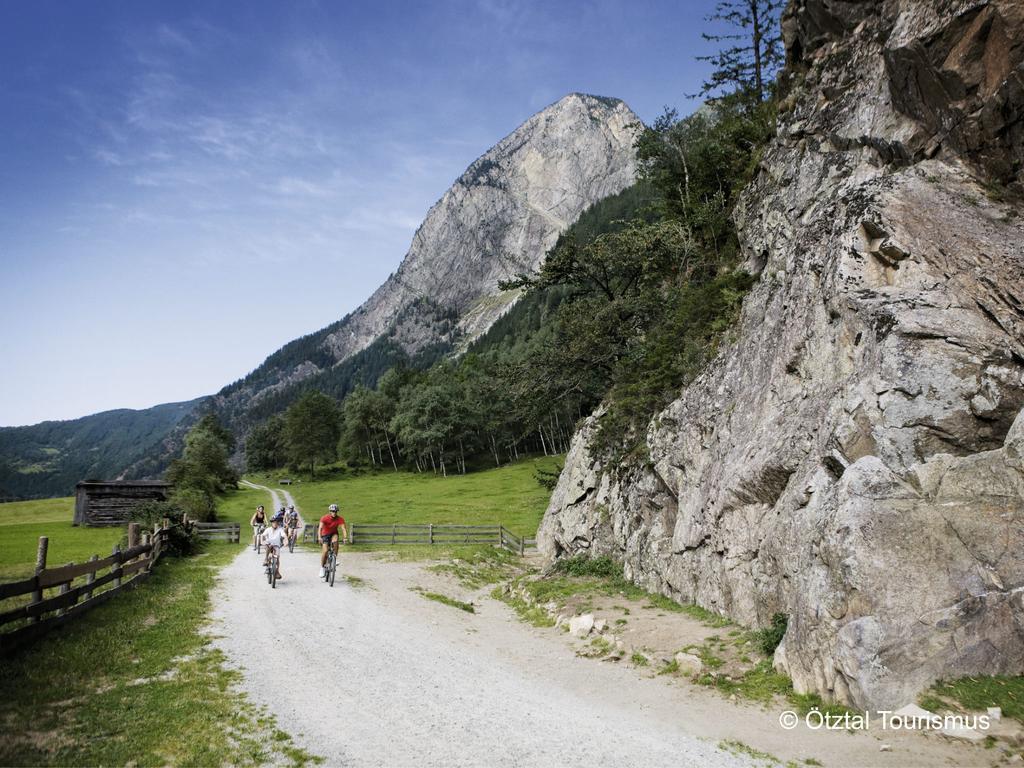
point(49, 458)
point(498, 219)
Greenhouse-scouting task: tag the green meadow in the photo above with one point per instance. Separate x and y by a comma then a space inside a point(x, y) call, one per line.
point(23, 522)
point(509, 496)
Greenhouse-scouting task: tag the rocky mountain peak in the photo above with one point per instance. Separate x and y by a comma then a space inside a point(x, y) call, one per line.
point(502, 215)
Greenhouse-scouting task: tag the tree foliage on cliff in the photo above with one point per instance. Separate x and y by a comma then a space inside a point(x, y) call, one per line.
point(749, 55)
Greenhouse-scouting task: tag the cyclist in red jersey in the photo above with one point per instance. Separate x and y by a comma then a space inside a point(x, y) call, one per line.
point(328, 533)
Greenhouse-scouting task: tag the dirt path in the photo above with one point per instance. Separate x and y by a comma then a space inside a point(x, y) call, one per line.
point(370, 673)
point(377, 675)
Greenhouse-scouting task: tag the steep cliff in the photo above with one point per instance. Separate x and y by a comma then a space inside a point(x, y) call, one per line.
point(855, 458)
point(498, 219)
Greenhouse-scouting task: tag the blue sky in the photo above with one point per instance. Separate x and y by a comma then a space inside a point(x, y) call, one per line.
point(185, 186)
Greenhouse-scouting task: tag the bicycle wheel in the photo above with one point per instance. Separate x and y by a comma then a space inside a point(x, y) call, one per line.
point(273, 573)
point(291, 544)
point(334, 568)
point(268, 574)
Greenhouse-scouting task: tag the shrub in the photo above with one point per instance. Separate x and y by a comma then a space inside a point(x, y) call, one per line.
point(547, 478)
point(196, 503)
point(182, 540)
point(768, 639)
point(580, 565)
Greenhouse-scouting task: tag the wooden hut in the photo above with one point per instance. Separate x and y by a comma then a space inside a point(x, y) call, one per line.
point(111, 503)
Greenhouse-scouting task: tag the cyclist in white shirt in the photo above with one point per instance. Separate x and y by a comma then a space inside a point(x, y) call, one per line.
point(275, 537)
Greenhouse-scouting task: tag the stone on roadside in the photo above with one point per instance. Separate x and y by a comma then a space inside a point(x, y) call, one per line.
point(600, 625)
point(688, 663)
point(995, 714)
point(580, 626)
point(963, 734)
point(914, 711)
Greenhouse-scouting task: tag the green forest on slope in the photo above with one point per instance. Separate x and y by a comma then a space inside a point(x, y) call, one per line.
point(47, 459)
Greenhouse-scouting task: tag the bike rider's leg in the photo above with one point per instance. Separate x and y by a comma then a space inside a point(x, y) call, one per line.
point(323, 553)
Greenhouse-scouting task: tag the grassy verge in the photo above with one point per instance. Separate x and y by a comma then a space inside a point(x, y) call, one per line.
point(736, 662)
point(23, 522)
point(135, 682)
point(509, 496)
point(480, 566)
point(977, 694)
point(437, 597)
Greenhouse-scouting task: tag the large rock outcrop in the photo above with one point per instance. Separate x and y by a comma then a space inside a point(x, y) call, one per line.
point(855, 458)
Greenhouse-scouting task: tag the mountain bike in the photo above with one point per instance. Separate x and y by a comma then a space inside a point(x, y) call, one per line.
point(331, 568)
point(272, 562)
point(293, 534)
point(257, 541)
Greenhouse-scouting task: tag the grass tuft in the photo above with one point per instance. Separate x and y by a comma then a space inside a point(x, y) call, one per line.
point(437, 597)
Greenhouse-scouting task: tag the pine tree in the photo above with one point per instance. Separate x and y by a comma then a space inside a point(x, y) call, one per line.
point(750, 57)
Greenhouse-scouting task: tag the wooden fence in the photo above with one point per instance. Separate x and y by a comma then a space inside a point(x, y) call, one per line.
point(401, 533)
point(228, 532)
point(53, 597)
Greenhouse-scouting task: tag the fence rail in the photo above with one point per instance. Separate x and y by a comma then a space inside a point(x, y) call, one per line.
point(53, 598)
point(229, 532)
point(430, 533)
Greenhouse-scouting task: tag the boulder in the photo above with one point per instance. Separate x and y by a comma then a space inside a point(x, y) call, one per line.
point(688, 663)
point(580, 626)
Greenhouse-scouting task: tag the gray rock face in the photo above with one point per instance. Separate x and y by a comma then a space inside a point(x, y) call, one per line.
point(502, 216)
point(855, 459)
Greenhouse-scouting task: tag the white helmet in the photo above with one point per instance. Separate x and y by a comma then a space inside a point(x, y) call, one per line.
point(332, 508)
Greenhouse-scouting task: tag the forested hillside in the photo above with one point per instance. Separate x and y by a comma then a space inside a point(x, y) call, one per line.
point(47, 459)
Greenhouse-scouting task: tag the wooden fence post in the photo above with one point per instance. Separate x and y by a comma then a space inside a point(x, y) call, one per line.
point(392, 534)
point(63, 590)
point(430, 533)
point(117, 565)
point(44, 545)
point(89, 579)
point(147, 539)
point(133, 535)
point(501, 536)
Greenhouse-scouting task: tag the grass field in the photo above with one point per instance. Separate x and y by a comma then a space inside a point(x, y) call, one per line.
point(134, 682)
point(238, 506)
point(509, 496)
point(23, 522)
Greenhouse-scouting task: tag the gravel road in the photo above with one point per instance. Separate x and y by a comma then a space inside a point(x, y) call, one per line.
point(375, 675)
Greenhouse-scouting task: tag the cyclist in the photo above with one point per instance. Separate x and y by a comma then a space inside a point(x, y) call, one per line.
point(258, 522)
point(291, 523)
point(327, 532)
point(274, 537)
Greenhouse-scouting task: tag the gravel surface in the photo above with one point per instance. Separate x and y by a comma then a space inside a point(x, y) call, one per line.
point(369, 673)
point(376, 675)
